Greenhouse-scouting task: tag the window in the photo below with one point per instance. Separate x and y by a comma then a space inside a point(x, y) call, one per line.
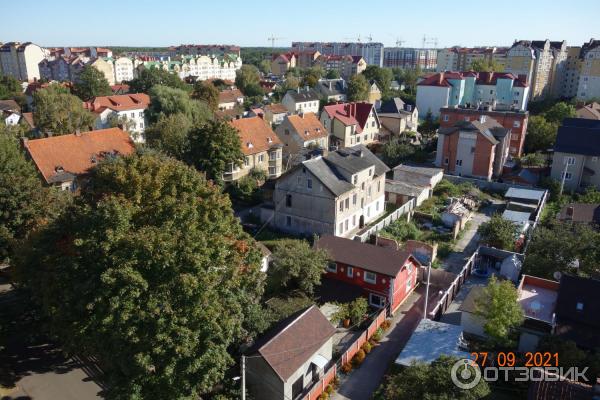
point(132, 115)
point(408, 284)
point(288, 200)
point(341, 230)
point(141, 114)
point(354, 220)
point(355, 179)
point(141, 125)
point(348, 202)
point(569, 160)
point(514, 136)
point(370, 277)
point(288, 221)
point(373, 124)
point(247, 161)
point(567, 175)
point(377, 206)
point(332, 267)
point(446, 118)
point(354, 199)
point(369, 191)
point(346, 225)
point(370, 172)
point(459, 163)
point(341, 205)
point(272, 171)
point(366, 137)
point(309, 183)
point(350, 272)
point(579, 306)
point(467, 119)
point(273, 156)
point(261, 158)
point(491, 91)
point(362, 186)
point(446, 161)
point(376, 300)
point(378, 186)
point(516, 124)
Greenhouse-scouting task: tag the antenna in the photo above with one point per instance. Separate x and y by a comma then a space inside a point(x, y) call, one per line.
point(370, 38)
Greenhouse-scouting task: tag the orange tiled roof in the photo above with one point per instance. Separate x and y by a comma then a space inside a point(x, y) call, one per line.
point(28, 117)
point(229, 95)
point(75, 154)
point(121, 102)
point(276, 108)
point(307, 126)
point(256, 135)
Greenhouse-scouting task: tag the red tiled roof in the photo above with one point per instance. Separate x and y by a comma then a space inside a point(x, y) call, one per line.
point(229, 95)
point(75, 154)
point(121, 102)
point(350, 113)
point(307, 126)
point(276, 108)
point(482, 78)
point(256, 135)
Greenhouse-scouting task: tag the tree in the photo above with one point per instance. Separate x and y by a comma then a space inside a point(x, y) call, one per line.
point(265, 67)
point(297, 266)
point(150, 273)
point(560, 111)
point(590, 196)
point(291, 82)
point(170, 135)
point(481, 65)
point(498, 305)
point(247, 79)
point(214, 146)
point(408, 77)
point(91, 83)
point(10, 88)
point(358, 88)
point(59, 113)
point(311, 76)
point(165, 101)
point(152, 77)
point(499, 232)
point(395, 151)
point(382, 76)
point(533, 159)
point(402, 230)
point(422, 381)
point(430, 125)
point(206, 92)
point(332, 74)
point(541, 134)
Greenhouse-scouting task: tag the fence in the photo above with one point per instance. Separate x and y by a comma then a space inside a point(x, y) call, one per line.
point(319, 387)
point(483, 184)
point(365, 234)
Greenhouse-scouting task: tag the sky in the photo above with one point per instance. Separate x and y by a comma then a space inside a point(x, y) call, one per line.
point(246, 23)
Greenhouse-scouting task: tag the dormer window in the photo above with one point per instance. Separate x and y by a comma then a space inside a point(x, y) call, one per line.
point(249, 145)
point(269, 140)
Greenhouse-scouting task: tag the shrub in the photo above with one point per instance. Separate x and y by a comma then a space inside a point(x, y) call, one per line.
point(329, 389)
point(366, 347)
point(378, 335)
point(324, 396)
point(346, 368)
point(357, 310)
point(385, 325)
point(335, 382)
point(358, 358)
point(444, 250)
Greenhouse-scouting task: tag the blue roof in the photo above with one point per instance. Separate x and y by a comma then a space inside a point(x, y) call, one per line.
point(524, 194)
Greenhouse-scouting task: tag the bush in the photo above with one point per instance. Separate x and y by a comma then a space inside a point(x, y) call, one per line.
point(402, 230)
point(335, 382)
point(324, 396)
point(385, 325)
point(444, 250)
point(346, 368)
point(366, 347)
point(378, 335)
point(358, 358)
point(329, 389)
point(357, 310)
point(245, 190)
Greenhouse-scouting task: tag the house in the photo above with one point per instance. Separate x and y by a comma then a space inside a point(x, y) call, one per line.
point(397, 117)
point(386, 275)
point(374, 93)
point(577, 153)
point(261, 148)
point(266, 256)
point(275, 113)
point(301, 100)
point(306, 58)
point(589, 70)
point(282, 63)
point(522, 220)
point(337, 194)
point(230, 98)
point(538, 298)
point(577, 311)
point(589, 111)
point(123, 69)
point(333, 90)
point(431, 340)
point(301, 134)
point(127, 110)
point(581, 213)
point(449, 89)
point(351, 123)
point(372, 52)
point(426, 176)
point(473, 148)
point(10, 112)
point(513, 120)
point(286, 360)
point(64, 160)
point(524, 200)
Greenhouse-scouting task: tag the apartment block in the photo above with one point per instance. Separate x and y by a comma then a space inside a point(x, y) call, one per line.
point(203, 50)
point(589, 79)
point(346, 66)
point(410, 58)
point(372, 52)
point(21, 60)
point(461, 58)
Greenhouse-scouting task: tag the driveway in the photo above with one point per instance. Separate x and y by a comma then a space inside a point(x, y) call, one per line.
point(362, 382)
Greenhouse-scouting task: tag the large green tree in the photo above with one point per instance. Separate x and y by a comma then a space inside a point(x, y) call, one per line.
point(499, 307)
point(541, 134)
point(153, 76)
point(358, 88)
point(395, 151)
point(59, 112)
point(382, 76)
point(213, 147)
point(170, 135)
point(560, 111)
point(150, 273)
point(499, 232)
point(485, 66)
point(91, 83)
point(247, 79)
point(166, 100)
point(207, 93)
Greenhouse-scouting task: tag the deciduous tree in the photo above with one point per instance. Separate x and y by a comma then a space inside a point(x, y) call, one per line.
point(207, 93)
point(541, 134)
point(59, 112)
point(382, 77)
point(152, 77)
point(91, 83)
point(485, 66)
point(170, 135)
point(499, 232)
point(358, 88)
point(165, 101)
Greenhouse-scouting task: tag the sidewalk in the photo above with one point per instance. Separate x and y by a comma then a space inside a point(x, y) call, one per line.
point(362, 382)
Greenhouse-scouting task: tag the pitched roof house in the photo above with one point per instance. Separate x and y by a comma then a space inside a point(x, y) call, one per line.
point(351, 123)
point(332, 89)
point(275, 112)
point(261, 147)
point(229, 98)
point(396, 117)
point(301, 134)
point(61, 160)
point(589, 111)
point(128, 109)
point(284, 362)
point(301, 100)
point(581, 213)
point(282, 63)
point(386, 275)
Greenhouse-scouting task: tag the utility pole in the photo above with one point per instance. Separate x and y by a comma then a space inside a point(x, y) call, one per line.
point(427, 291)
point(243, 377)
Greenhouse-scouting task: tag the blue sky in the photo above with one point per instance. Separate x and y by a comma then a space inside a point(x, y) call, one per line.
point(250, 23)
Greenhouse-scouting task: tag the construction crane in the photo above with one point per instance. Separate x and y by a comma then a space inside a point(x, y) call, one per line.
point(399, 42)
point(430, 40)
point(351, 38)
point(370, 38)
point(272, 39)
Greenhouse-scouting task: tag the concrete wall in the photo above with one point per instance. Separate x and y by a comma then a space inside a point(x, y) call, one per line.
point(432, 98)
point(472, 324)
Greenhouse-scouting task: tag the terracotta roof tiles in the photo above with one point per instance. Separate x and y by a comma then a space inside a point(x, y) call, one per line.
point(122, 102)
point(256, 135)
point(307, 126)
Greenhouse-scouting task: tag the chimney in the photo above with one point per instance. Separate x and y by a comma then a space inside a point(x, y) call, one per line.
point(570, 211)
point(298, 89)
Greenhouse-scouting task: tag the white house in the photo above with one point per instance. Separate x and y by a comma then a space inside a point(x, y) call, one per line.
point(126, 110)
point(301, 100)
point(123, 68)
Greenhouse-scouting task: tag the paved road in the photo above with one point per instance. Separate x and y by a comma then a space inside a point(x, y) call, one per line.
point(362, 382)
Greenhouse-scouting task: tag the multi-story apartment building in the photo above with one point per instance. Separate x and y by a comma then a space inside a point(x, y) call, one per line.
point(449, 89)
point(461, 58)
point(203, 50)
point(372, 52)
point(410, 58)
point(21, 60)
point(337, 194)
point(346, 66)
point(123, 68)
point(513, 120)
point(57, 69)
point(350, 124)
point(68, 68)
point(570, 82)
point(589, 79)
point(261, 147)
point(200, 67)
point(89, 52)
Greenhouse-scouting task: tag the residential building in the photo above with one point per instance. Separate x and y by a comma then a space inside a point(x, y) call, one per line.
point(410, 58)
point(374, 93)
point(424, 176)
point(473, 148)
point(261, 147)
point(387, 276)
point(127, 110)
point(21, 60)
point(337, 194)
point(65, 160)
point(572, 71)
point(282, 63)
point(462, 58)
point(89, 52)
point(68, 68)
point(513, 120)
point(289, 358)
point(230, 98)
point(203, 50)
point(10, 112)
point(199, 67)
point(581, 213)
point(106, 67)
point(449, 89)
point(589, 111)
point(345, 65)
point(301, 100)
point(372, 52)
point(396, 117)
point(306, 59)
point(589, 79)
point(275, 113)
point(351, 123)
point(411, 182)
point(577, 153)
point(301, 134)
point(333, 90)
point(123, 69)
point(57, 69)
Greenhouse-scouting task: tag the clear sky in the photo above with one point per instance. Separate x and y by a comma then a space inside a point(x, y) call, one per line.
point(250, 23)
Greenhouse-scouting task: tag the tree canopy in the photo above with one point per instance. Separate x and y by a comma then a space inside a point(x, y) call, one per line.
point(499, 232)
point(485, 66)
point(170, 135)
point(153, 76)
point(59, 112)
point(395, 151)
point(150, 272)
point(382, 77)
point(358, 88)
point(541, 134)
point(91, 83)
point(247, 79)
point(207, 93)
point(332, 74)
point(166, 100)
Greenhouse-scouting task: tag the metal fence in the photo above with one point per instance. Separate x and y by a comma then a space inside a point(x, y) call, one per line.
point(406, 208)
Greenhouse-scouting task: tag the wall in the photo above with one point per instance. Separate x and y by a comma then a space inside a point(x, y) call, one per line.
point(432, 98)
point(365, 234)
point(472, 324)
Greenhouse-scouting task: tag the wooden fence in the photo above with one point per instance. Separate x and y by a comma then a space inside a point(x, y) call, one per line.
point(406, 208)
point(319, 387)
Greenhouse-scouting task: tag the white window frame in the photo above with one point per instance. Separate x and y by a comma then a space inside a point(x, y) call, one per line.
point(408, 284)
point(369, 280)
point(568, 160)
point(382, 298)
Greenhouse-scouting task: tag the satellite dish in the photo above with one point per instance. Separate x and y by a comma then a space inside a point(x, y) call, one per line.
point(557, 275)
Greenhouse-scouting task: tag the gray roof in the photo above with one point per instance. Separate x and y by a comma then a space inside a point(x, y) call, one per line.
point(403, 188)
point(489, 128)
point(331, 87)
point(524, 194)
point(579, 136)
point(516, 216)
point(328, 177)
point(428, 171)
point(301, 95)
